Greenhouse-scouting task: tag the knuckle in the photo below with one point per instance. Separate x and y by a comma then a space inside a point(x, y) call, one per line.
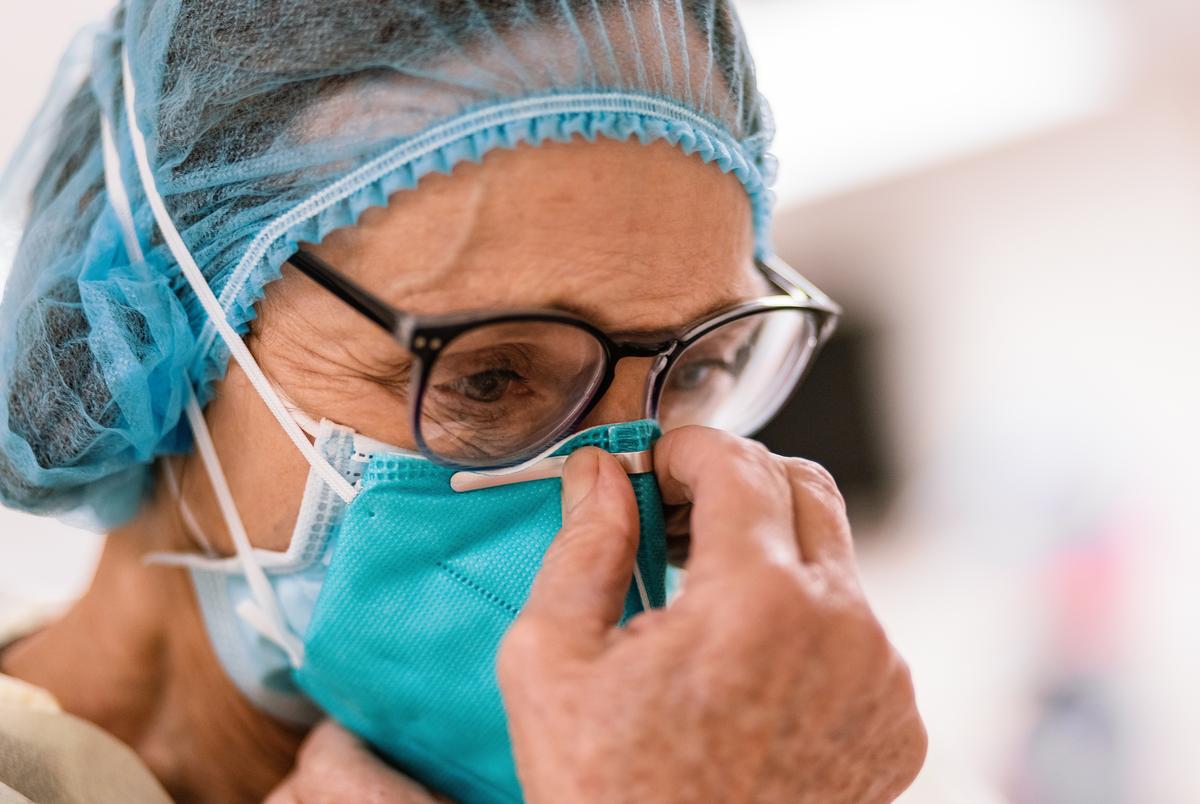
point(873, 639)
point(742, 460)
point(816, 480)
point(755, 465)
point(709, 439)
point(918, 742)
point(871, 628)
point(694, 434)
point(903, 755)
point(749, 452)
point(687, 440)
point(517, 650)
point(910, 742)
point(811, 473)
point(860, 642)
point(904, 692)
point(778, 592)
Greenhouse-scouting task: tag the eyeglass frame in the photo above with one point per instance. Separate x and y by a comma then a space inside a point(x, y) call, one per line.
point(426, 335)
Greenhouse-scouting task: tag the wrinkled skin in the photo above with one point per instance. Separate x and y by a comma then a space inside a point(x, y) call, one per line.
point(767, 680)
point(770, 680)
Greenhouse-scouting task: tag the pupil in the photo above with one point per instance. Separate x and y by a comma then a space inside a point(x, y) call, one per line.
point(742, 358)
point(693, 376)
point(487, 386)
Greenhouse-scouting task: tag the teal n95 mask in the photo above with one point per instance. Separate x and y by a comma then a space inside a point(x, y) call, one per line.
point(394, 605)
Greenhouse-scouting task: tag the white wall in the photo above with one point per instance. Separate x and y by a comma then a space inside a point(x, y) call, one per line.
point(865, 89)
point(31, 41)
point(1037, 307)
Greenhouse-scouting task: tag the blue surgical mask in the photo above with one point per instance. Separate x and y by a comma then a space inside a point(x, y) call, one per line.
point(393, 606)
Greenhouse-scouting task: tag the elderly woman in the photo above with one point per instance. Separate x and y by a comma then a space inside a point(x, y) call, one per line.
point(470, 261)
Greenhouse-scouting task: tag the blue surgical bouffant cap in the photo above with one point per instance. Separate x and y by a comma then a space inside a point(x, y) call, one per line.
point(272, 122)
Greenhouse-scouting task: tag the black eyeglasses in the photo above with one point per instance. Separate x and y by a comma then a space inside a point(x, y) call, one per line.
point(492, 389)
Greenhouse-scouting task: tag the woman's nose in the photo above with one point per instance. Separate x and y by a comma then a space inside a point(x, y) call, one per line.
point(625, 399)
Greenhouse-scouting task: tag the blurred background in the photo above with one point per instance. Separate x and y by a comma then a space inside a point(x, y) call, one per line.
point(1005, 196)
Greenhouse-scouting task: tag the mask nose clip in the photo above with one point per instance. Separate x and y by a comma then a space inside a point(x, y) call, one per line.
point(634, 463)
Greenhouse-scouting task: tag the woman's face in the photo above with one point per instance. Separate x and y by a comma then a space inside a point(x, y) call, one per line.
point(638, 239)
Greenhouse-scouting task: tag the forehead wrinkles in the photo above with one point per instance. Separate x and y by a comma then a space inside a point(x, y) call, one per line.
point(415, 243)
point(579, 221)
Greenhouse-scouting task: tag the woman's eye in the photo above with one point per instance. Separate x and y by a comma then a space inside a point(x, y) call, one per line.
point(696, 373)
point(484, 386)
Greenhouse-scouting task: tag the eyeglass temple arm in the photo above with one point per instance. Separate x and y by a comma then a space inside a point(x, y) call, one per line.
point(791, 279)
point(349, 291)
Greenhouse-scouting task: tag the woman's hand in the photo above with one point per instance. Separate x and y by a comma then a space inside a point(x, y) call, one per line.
point(768, 680)
point(334, 766)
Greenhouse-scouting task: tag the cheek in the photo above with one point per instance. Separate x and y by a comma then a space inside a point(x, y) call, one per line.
point(333, 364)
point(373, 410)
point(264, 470)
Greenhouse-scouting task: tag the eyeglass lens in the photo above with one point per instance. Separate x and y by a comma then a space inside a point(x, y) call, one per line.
point(738, 374)
point(500, 392)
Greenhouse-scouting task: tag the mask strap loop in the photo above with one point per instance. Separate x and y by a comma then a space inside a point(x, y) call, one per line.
point(304, 421)
point(641, 587)
point(118, 199)
point(264, 614)
point(185, 511)
point(208, 300)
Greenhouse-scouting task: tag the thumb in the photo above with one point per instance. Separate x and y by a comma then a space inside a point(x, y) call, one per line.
point(586, 572)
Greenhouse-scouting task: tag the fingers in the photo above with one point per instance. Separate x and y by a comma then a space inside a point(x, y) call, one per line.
point(335, 765)
point(587, 570)
point(822, 530)
point(740, 495)
point(285, 793)
point(745, 502)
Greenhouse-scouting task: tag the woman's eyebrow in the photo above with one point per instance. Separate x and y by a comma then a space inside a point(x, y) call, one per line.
point(667, 331)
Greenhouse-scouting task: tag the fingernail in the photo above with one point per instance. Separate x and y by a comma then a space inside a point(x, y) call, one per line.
point(579, 476)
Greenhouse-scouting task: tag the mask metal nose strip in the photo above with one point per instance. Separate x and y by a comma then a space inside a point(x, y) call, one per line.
point(634, 463)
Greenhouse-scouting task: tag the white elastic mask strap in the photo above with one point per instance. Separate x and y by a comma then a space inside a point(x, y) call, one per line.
point(641, 587)
point(237, 347)
point(265, 616)
point(306, 423)
point(118, 198)
point(185, 511)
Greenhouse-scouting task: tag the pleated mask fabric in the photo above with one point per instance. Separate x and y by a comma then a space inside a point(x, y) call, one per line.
point(396, 603)
point(423, 584)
